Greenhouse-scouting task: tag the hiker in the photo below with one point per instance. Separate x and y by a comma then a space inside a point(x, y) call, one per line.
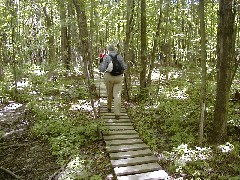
point(102, 54)
point(113, 82)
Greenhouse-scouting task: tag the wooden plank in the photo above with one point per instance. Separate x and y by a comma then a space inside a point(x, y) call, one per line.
point(104, 102)
point(133, 161)
point(118, 137)
point(103, 111)
point(155, 175)
point(118, 128)
point(130, 154)
point(103, 116)
point(104, 106)
point(123, 142)
point(124, 132)
point(118, 124)
point(143, 168)
point(111, 114)
point(132, 147)
point(113, 117)
point(116, 120)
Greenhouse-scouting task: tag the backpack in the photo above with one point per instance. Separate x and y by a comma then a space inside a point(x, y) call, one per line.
point(117, 67)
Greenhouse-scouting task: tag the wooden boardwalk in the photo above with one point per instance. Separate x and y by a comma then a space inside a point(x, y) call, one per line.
point(130, 157)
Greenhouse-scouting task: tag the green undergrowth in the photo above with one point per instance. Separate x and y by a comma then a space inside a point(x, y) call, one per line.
point(169, 121)
point(61, 115)
point(66, 131)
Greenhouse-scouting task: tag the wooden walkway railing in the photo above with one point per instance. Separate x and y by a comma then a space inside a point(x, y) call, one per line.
point(130, 157)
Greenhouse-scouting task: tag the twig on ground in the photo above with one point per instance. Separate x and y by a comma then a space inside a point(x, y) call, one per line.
point(14, 145)
point(10, 172)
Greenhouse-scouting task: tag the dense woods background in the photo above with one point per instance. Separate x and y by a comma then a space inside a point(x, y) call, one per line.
point(181, 88)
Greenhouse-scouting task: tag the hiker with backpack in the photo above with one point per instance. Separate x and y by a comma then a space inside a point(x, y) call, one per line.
point(101, 56)
point(113, 65)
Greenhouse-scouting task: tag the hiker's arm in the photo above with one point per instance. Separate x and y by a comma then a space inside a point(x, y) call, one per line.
point(103, 66)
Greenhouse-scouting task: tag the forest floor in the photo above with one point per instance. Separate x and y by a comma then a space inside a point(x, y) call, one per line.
point(25, 156)
point(22, 155)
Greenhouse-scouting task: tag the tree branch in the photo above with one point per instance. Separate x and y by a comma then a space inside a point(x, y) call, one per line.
point(10, 173)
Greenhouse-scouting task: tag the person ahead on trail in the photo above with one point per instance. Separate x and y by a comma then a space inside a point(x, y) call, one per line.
point(113, 82)
point(102, 54)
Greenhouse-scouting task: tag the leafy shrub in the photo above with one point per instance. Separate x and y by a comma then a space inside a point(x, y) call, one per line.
point(66, 133)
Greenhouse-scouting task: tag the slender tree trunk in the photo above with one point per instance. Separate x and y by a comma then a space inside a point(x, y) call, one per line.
point(129, 26)
point(226, 59)
point(13, 42)
point(1, 60)
point(203, 73)
point(64, 34)
point(83, 32)
point(69, 33)
point(51, 39)
point(143, 48)
point(155, 45)
point(92, 30)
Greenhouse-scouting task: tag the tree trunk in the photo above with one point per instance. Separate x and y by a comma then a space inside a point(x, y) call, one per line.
point(92, 30)
point(155, 45)
point(13, 42)
point(225, 67)
point(69, 33)
point(143, 48)
point(203, 73)
point(51, 39)
point(64, 34)
point(83, 32)
point(129, 27)
point(1, 60)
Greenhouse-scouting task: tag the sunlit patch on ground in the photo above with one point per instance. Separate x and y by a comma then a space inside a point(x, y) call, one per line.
point(234, 122)
point(177, 93)
point(22, 84)
point(155, 75)
point(83, 105)
point(228, 147)
point(73, 169)
point(38, 72)
point(103, 100)
point(12, 106)
point(182, 154)
point(34, 92)
point(11, 110)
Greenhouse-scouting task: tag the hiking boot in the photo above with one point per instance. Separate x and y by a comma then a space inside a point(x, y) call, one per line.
point(109, 110)
point(117, 117)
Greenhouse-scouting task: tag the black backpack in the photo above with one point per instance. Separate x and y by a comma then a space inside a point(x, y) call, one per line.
point(117, 67)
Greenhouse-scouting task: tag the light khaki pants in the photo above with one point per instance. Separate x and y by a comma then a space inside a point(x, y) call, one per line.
point(114, 89)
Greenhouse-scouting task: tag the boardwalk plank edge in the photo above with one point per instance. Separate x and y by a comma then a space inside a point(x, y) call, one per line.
point(143, 168)
point(134, 161)
point(123, 142)
point(123, 132)
point(155, 175)
point(119, 127)
point(121, 137)
point(122, 148)
point(130, 154)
